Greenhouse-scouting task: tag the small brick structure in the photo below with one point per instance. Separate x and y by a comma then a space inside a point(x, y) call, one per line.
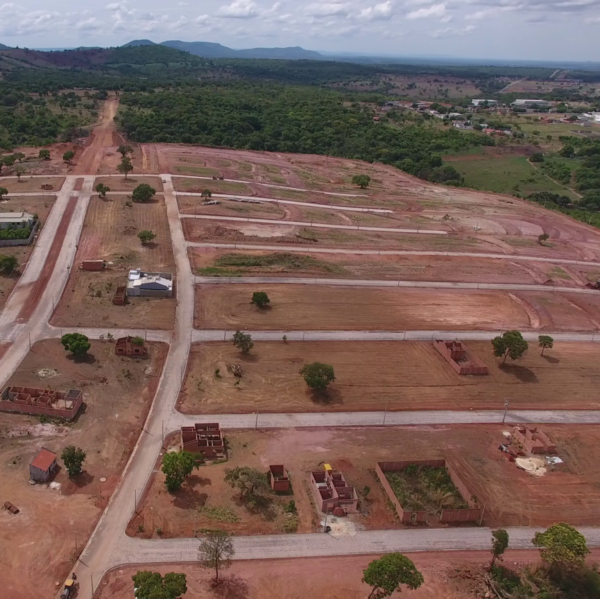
point(472, 514)
point(278, 478)
point(460, 358)
point(126, 347)
point(38, 402)
point(206, 439)
point(43, 466)
point(120, 297)
point(332, 494)
point(533, 440)
point(93, 265)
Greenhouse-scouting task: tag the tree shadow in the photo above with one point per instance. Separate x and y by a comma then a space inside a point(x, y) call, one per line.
point(328, 397)
point(150, 245)
point(196, 480)
point(261, 505)
point(551, 359)
point(187, 498)
point(231, 587)
point(82, 480)
point(524, 374)
point(249, 357)
point(85, 359)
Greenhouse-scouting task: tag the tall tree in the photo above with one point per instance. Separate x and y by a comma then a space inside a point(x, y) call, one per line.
point(102, 189)
point(243, 341)
point(68, 156)
point(386, 574)
point(177, 466)
point(206, 194)
point(260, 299)
point(73, 458)
point(3, 192)
point(499, 544)
point(151, 585)
point(562, 545)
point(124, 150)
point(251, 483)
point(44, 154)
point(143, 193)
point(318, 376)
point(362, 181)
point(215, 551)
point(545, 342)
point(125, 166)
point(511, 343)
point(77, 343)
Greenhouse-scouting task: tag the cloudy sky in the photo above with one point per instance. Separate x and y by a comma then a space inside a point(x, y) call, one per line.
point(526, 29)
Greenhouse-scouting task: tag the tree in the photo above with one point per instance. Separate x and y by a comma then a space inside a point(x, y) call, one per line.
point(361, 180)
point(151, 585)
point(251, 483)
point(317, 375)
point(562, 545)
point(44, 155)
point(76, 343)
point(138, 341)
point(386, 574)
point(146, 236)
point(124, 150)
point(261, 299)
point(546, 342)
point(206, 194)
point(143, 193)
point(19, 172)
point(9, 160)
point(68, 156)
point(73, 458)
point(537, 157)
point(125, 166)
point(3, 192)
point(215, 551)
point(8, 264)
point(499, 544)
point(542, 238)
point(243, 341)
point(102, 189)
point(510, 344)
point(19, 156)
point(176, 466)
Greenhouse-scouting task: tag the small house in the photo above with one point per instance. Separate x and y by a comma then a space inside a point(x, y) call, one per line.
point(278, 478)
point(16, 220)
point(43, 466)
point(126, 346)
point(149, 284)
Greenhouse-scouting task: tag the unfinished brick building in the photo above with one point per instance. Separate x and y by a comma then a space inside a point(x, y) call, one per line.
point(38, 402)
point(278, 478)
point(126, 347)
point(206, 439)
point(533, 440)
point(332, 494)
point(460, 358)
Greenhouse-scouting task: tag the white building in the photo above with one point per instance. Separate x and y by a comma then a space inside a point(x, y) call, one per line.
point(149, 284)
point(16, 220)
point(479, 102)
point(524, 103)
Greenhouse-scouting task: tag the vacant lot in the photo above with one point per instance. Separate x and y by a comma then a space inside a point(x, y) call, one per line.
point(199, 185)
point(40, 544)
point(121, 184)
point(110, 233)
point(398, 375)
point(342, 308)
point(31, 184)
point(511, 496)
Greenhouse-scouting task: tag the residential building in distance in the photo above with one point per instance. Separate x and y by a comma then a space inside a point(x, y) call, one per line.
point(480, 102)
point(16, 220)
point(525, 103)
point(149, 284)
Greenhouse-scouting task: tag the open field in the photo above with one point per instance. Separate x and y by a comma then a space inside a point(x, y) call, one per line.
point(110, 233)
point(337, 308)
point(31, 184)
point(119, 183)
point(404, 375)
point(511, 496)
point(39, 545)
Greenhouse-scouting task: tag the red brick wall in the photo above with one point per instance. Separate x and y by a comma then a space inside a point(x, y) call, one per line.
point(22, 408)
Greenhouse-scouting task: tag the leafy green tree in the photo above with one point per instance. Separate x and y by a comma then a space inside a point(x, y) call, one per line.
point(19, 156)
point(568, 151)
point(3, 192)
point(19, 172)
point(146, 236)
point(243, 341)
point(216, 551)
point(44, 154)
point(143, 193)
point(511, 343)
point(362, 181)
point(76, 343)
point(537, 157)
point(260, 299)
point(68, 156)
point(102, 189)
point(125, 166)
point(562, 545)
point(386, 574)
point(499, 544)
point(251, 483)
point(545, 342)
point(177, 466)
point(151, 585)
point(9, 160)
point(318, 376)
point(124, 150)
point(138, 341)
point(206, 194)
point(73, 458)
point(8, 264)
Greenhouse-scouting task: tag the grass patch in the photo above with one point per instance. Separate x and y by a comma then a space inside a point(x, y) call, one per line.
point(219, 513)
point(197, 170)
point(558, 273)
point(278, 261)
point(215, 271)
point(421, 488)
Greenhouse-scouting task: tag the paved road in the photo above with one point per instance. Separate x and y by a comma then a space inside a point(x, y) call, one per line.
point(320, 544)
point(381, 283)
point(266, 221)
point(349, 250)
point(258, 200)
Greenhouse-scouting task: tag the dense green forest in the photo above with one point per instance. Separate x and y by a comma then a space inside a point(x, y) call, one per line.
point(279, 118)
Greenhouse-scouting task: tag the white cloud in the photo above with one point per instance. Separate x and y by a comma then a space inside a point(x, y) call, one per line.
point(592, 20)
point(17, 21)
point(239, 9)
point(379, 12)
point(435, 10)
point(452, 31)
point(328, 9)
point(91, 24)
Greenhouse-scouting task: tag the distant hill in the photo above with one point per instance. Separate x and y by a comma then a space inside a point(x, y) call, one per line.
point(213, 50)
point(3, 47)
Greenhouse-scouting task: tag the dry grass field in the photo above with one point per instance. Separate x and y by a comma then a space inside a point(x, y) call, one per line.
point(375, 375)
point(121, 184)
point(31, 184)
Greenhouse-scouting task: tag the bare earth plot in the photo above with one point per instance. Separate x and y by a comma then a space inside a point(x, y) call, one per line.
point(31, 184)
point(339, 308)
point(375, 375)
point(119, 183)
point(511, 496)
point(110, 233)
point(38, 546)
